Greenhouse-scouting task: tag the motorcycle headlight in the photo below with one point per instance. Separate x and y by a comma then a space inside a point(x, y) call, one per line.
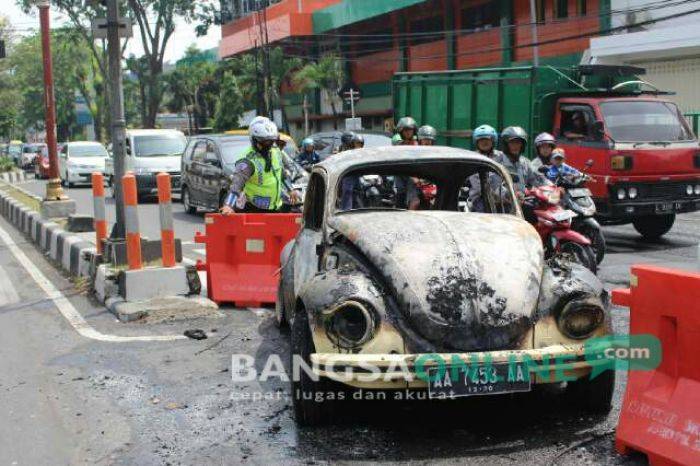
point(689, 190)
point(349, 324)
point(632, 192)
point(579, 319)
point(554, 197)
point(621, 193)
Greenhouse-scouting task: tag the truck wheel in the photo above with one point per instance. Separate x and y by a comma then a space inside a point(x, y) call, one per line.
point(186, 202)
point(653, 227)
point(308, 410)
point(593, 396)
point(583, 254)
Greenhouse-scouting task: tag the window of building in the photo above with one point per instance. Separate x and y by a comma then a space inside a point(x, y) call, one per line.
point(582, 7)
point(427, 30)
point(561, 9)
point(483, 16)
point(540, 11)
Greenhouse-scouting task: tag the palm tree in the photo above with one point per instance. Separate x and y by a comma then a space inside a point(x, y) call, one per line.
point(326, 74)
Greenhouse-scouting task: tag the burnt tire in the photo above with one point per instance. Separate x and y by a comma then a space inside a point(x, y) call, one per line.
point(592, 396)
point(582, 253)
point(308, 410)
point(280, 314)
point(653, 227)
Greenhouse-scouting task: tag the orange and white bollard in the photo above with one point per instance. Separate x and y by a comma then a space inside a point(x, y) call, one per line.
point(165, 206)
point(131, 222)
point(98, 202)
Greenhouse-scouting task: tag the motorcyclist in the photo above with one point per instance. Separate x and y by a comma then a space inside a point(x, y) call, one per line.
point(426, 135)
point(559, 167)
point(514, 142)
point(257, 181)
point(346, 141)
point(405, 132)
point(357, 141)
point(485, 140)
point(350, 196)
point(308, 155)
point(544, 144)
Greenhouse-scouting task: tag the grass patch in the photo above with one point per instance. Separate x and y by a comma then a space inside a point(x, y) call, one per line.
point(23, 198)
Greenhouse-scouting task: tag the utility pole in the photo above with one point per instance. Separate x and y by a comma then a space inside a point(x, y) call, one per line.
point(118, 121)
point(533, 21)
point(56, 203)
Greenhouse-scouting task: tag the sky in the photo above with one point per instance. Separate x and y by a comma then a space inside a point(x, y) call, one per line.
point(184, 33)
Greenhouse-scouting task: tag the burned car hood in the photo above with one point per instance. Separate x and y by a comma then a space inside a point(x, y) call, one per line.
point(463, 281)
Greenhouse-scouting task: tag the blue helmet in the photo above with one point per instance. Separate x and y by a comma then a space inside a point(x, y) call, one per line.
point(307, 142)
point(485, 131)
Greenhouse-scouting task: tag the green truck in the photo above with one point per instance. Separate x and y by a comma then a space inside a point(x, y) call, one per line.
point(646, 159)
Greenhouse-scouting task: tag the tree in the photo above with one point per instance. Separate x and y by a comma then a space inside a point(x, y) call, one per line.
point(9, 89)
point(229, 106)
point(327, 75)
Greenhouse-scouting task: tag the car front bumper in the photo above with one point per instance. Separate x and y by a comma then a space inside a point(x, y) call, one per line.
point(82, 175)
point(548, 365)
point(146, 183)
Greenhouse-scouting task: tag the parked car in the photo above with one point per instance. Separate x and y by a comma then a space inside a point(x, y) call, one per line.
point(384, 288)
point(328, 143)
point(208, 163)
point(29, 154)
point(14, 151)
point(149, 152)
point(78, 160)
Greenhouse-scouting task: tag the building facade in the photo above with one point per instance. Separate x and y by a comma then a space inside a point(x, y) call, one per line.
point(376, 39)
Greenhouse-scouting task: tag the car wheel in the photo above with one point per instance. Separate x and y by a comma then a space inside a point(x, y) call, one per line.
point(598, 242)
point(187, 202)
point(308, 409)
point(70, 185)
point(593, 396)
point(583, 254)
point(653, 227)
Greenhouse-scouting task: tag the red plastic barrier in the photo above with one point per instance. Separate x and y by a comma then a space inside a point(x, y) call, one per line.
point(243, 256)
point(660, 414)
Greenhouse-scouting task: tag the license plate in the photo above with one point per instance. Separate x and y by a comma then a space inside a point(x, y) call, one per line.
point(564, 215)
point(472, 380)
point(668, 206)
point(579, 192)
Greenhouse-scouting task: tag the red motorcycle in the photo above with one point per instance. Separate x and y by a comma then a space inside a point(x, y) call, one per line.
point(553, 223)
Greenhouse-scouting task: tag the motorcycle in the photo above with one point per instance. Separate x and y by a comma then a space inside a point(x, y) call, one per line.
point(577, 197)
point(553, 224)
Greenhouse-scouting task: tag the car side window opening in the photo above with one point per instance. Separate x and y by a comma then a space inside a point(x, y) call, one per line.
point(200, 151)
point(211, 156)
point(576, 122)
point(315, 202)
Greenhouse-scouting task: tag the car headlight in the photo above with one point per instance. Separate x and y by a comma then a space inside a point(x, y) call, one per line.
point(697, 189)
point(689, 190)
point(554, 197)
point(632, 192)
point(621, 194)
point(349, 324)
point(579, 319)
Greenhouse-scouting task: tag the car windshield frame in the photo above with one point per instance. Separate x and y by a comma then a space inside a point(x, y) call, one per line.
point(158, 149)
point(636, 130)
point(87, 150)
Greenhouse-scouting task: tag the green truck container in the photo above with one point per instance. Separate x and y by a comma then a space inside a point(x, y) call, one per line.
point(646, 159)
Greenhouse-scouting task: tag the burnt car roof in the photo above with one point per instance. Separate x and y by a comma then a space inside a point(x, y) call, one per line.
point(341, 162)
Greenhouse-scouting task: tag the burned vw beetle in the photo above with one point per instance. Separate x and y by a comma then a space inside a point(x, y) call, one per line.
point(416, 287)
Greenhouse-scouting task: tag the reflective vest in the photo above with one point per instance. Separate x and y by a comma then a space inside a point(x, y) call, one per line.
point(264, 188)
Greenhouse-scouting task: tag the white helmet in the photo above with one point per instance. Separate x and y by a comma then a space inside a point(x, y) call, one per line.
point(262, 129)
point(545, 138)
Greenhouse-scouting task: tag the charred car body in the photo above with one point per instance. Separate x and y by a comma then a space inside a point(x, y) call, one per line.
point(382, 287)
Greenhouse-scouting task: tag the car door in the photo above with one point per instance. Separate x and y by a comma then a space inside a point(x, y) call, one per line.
point(212, 172)
point(197, 172)
point(310, 238)
point(63, 162)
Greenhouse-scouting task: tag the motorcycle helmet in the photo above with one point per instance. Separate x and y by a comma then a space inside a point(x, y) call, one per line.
point(545, 138)
point(346, 139)
point(427, 132)
point(513, 133)
point(357, 139)
point(307, 142)
point(261, 129)
point(485, 132)
point(406, 123)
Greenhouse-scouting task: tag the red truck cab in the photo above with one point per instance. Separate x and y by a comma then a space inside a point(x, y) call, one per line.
point(646, 159)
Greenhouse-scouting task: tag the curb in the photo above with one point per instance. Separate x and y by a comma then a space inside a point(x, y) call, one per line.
point(70, 251)
point(14, 176)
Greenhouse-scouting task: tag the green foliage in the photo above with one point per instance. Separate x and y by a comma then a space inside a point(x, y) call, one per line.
point(6, 164)
point(229, 106)
point(9, 90)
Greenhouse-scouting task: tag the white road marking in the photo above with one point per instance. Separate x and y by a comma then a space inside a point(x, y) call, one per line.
point(65, 307)
point(201, 252)
point(8, 294)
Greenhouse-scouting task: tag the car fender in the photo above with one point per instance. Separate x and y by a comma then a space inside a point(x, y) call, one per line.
point(571, 235)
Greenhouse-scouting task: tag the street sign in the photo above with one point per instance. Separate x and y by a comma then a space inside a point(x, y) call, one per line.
point(99, 28)
point(353, 124)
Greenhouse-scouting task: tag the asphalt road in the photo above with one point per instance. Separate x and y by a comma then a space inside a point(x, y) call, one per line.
point(67, 399)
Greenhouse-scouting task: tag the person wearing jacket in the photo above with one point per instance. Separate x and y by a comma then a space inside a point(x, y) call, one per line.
point(257, 181)
point(406, 130)
point(514, 142)
point(544, 145)
point(485, 140)
point(559, 167)
point(308, 156)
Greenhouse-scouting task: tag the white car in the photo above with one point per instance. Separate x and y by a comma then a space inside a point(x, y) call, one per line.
point(149, 152)
point(78, 160)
